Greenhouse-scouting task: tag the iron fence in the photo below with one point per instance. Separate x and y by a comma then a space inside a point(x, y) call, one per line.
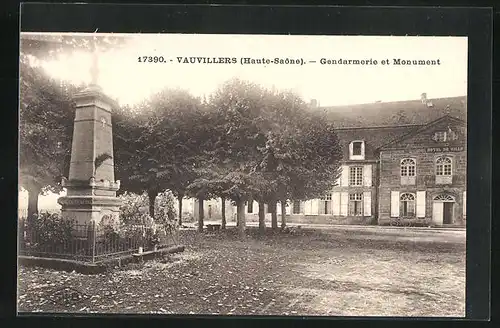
point(90, 242)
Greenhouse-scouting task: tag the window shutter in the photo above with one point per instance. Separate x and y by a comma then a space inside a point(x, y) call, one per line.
point(336, 203)
point(350, 150)
point(288, 207)
point(367, 203)
point(465, 203)
point(394, 204)
point(344, 180)
point(363, 149)
point(307, 207)
point(367, 175)
point(421, 204)
point(344, 199)
point(314, 206)
point(302, 203)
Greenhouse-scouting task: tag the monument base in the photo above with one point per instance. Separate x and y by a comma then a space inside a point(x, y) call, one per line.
point(87, 209)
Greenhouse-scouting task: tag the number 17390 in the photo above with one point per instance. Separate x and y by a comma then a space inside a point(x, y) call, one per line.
point(151, 59)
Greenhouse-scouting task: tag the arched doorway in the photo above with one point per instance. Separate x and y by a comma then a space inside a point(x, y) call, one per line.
point(443, 207)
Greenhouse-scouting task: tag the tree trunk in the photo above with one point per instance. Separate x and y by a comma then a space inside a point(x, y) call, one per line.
point(240, 212)
point(152, 198)
point(283, 214)
point(223, 212)
point(274, 215)
point(33, 193)
point(262, 218)
point(179, 199)
point(201, 214)
point(237, 217)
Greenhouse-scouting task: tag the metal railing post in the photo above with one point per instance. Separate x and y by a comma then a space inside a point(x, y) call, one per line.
point(93, 242)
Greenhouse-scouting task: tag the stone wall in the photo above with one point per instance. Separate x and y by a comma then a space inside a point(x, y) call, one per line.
point(390, 180)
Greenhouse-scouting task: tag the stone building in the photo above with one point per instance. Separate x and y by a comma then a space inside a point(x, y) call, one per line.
point(401, 159)
point(405, 159)
point(424, 174)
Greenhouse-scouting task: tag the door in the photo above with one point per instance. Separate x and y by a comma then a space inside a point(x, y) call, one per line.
point(448, 213)
point(437, 213)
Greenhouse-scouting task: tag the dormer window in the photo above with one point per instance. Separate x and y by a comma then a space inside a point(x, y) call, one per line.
point(357, 150)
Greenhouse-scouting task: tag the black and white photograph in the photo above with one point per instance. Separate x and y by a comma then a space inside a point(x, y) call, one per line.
point(240, 174)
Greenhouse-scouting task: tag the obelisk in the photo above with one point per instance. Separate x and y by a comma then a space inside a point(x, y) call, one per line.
point(91, 186)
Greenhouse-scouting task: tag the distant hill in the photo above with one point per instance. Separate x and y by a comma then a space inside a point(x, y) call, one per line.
point(412, 112)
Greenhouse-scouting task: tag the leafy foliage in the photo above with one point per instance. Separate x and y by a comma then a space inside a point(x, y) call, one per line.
point(132, 207)
point(45, 128)
point(100, 159)
point(157, 142)
point(165, 209)
point(48, 231)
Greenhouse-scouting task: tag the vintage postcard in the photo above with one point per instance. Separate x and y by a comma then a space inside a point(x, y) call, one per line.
point(232, 174)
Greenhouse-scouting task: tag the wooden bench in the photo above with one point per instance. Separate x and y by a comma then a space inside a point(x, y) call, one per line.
point(213, 227)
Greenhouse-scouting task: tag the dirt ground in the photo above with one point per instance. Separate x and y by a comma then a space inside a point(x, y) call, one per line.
point(335, 272)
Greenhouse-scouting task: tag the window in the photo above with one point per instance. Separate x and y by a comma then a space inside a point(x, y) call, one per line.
point(408, 167)
point(356, 176)
point(357, 150)
point(408, 171)
point(355, 204)
point(407, 204)
point(325, 204)
point(296, 207)
point(443, 166)
point(440, 136)
point(444, 198)
point(250, 207)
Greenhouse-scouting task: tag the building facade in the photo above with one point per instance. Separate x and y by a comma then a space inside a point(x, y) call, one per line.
point(413, 169)
point(424, 174)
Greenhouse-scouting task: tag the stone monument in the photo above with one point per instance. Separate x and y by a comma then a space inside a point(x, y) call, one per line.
point(91, 186)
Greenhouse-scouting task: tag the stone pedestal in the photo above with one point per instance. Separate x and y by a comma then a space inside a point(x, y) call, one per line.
point(91, 188)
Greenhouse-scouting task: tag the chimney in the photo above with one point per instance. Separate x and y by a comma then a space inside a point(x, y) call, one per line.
point(314, 103)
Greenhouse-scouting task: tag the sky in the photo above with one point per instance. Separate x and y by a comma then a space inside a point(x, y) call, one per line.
point(124, 78)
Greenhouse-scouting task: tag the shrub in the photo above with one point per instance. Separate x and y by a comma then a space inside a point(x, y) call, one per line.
point(131, 209)
point(49, 231)
point(165, 208)
point(165, 215)
point(108, 236)
point(134, 214)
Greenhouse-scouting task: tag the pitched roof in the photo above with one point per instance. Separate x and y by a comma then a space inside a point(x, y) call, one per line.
point(374, 137)
point(412, 112)
point(420, 129)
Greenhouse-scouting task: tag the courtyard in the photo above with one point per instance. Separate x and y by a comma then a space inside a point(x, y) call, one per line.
point(339, 271)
